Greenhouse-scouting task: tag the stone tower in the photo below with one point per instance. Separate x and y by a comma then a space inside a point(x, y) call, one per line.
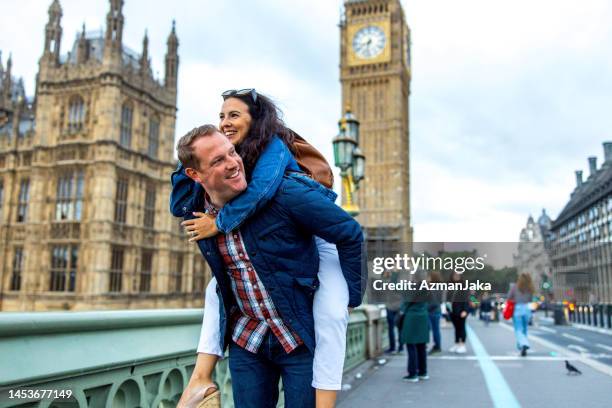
point(85, 187)
point(375, 76)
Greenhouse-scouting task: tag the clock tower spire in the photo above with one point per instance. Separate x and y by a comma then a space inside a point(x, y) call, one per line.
point(375, 76)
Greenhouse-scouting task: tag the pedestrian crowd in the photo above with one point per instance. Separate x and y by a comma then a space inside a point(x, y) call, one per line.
point(415, 321)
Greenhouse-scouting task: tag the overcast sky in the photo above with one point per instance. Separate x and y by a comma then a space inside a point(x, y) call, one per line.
point(508, 98)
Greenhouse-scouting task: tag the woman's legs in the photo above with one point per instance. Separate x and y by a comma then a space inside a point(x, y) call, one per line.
point(330, 312)
point(518, 334)
point(526, 319)
point(520, 318)
point(453, 318)
point(421, 359)
point(210, 337)
point(461, 335)
point(412, 359)
point(209, 351)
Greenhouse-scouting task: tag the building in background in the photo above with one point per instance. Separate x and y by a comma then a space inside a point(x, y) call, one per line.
point(375, 77)
point(581, 237)
point(84, 170)
point(533, 249)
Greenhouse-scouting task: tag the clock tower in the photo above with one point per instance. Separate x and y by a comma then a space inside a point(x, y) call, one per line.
point(375, 76)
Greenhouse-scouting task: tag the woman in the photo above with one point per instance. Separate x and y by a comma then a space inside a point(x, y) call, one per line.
point(458, 314)
point(268, 148)
point(521, 293)
point(415, 335)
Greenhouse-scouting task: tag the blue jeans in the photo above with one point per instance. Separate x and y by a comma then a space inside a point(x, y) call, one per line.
point(521, 316)
point(391, 326)
point(434, 325)
point(255, 376)
point(486, 316)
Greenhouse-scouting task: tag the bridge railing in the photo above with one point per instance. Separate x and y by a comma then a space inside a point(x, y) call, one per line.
point(131, 358)
point(595, 315)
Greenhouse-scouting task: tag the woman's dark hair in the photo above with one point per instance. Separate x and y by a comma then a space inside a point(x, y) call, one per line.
point(266, 121)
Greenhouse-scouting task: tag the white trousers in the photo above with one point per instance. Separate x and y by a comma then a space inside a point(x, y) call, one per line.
point(330, 312)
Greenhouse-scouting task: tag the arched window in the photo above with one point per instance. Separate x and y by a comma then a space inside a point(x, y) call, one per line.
point(153, 137)
point(126, 124)
point(76, 114)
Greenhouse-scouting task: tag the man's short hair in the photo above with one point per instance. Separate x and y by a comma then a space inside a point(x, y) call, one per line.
point(184, 147)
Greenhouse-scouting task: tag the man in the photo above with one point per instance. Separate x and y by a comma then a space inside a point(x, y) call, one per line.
point(266, 273)
point(393, 302)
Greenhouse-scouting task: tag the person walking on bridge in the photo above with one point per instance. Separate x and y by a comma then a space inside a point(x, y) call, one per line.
point(521, 293)
point(458, 313)
point(486, 307)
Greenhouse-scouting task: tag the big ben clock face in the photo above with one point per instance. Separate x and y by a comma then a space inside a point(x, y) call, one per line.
point(369, 42)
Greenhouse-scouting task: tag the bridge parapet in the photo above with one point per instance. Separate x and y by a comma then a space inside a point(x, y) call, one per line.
point(126, 358)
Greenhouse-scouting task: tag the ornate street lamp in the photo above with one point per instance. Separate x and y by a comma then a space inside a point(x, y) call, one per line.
point(352, 125)
point(358, 166)
point(349, 158)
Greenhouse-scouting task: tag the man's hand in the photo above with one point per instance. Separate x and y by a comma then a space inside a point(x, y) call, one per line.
point(463, 314)
point(203, 226)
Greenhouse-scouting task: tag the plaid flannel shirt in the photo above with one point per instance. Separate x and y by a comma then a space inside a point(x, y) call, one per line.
point(257, 312)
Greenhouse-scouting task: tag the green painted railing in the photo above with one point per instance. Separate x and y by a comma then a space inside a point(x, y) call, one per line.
point(137, 358)
point(356, 336)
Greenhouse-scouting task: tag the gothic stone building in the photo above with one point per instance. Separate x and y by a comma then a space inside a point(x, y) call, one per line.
point(533, 250)
point(581, 237)
point(375, 76)
point(84, 179)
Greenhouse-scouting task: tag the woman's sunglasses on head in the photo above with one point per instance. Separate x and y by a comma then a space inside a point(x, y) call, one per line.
point(242, 92)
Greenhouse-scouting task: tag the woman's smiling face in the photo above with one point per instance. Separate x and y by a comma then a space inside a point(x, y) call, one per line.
point(234, 120)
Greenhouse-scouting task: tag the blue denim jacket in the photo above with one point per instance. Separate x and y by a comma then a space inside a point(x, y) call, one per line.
point(280, 243)
point(265, 180)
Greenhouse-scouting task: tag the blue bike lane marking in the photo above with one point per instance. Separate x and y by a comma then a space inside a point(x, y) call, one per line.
point(498, 387)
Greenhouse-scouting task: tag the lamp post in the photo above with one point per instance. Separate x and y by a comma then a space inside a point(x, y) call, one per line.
point(349, 158)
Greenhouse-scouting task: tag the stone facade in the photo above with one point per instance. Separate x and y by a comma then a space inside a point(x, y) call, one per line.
point(84, 180)
point(533, 255)
point(581, 237)
point(375, 75)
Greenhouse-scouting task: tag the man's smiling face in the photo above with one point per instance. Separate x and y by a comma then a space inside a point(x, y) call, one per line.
point(221, 171)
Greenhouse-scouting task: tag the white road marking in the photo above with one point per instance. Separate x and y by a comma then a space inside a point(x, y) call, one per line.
point(502, 358)
point(593, 329)
point(580, 349)
point(546, 329)
point(500, 392)
point(571, 337)
point(603, 346)
point(601, 367)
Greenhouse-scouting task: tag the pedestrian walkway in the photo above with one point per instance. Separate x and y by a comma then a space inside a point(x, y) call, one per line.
point(491, 374)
